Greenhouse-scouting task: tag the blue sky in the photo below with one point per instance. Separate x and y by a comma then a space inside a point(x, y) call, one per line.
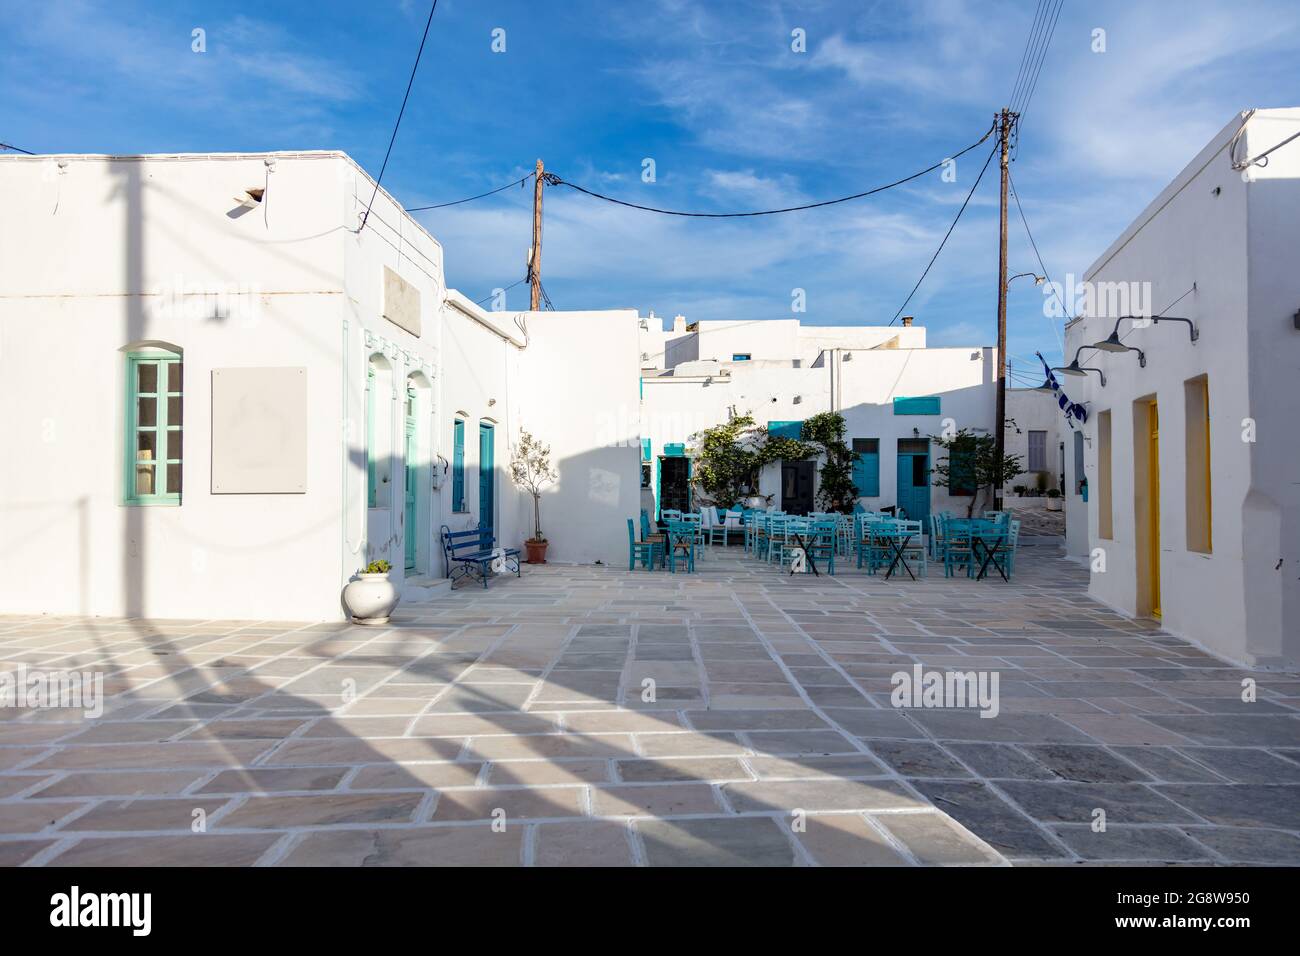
point(713, 93)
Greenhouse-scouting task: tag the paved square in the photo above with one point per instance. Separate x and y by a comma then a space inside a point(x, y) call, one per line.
point(594, 716)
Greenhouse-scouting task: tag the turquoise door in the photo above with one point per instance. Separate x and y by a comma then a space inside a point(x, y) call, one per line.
point(914, 485)
point(410, 516)
point(486, 476)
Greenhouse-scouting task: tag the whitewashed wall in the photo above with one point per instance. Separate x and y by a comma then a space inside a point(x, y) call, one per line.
point(675, 406)
point(1234, 238)
point(585, 405)
point(104, 245)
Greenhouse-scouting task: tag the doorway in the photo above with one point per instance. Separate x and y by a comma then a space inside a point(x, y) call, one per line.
point(1153, 505)
point(914, 479)
point(486, 477)
point(797, 486)
point(410, 516)
point(674, 483)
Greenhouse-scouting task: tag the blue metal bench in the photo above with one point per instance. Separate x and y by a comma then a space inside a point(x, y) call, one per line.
point(471, 553)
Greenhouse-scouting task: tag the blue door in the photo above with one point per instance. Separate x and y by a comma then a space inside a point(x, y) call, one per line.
point(412, 476)
point(914, 485)
point(486, 477)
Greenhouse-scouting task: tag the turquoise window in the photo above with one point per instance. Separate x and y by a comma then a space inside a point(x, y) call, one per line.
point(785, 429)
point(645, 449)
point(675, 450)
point(919, 405)
point(866, 466)
point(458, 466)
point(153, 428)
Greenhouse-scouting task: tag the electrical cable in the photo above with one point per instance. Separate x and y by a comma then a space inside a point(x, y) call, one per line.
point(1024, 56)
point(506, 289)
point(457, 202)
point(1038, 69)
point(946, 235)
point(409, 83)
point(1052, 285)
point(553, 180)
point(17, 149)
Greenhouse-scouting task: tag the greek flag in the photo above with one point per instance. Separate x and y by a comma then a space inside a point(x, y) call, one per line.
point(1071, 409)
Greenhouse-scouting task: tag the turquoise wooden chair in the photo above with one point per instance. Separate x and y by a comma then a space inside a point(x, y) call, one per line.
point(956, 545)
point(681, 545)
point(823, 541)
point(647, 552)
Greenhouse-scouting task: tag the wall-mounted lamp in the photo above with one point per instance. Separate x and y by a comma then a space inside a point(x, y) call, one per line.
point(1113, 343)
point(491, 402)
point(1081, 371)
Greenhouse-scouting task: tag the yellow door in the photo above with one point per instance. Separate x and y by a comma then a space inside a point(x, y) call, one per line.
point(1153, 464)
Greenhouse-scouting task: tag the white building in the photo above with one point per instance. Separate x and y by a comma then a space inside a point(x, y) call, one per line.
point(225, 396)
point(893, 392)
point(1192, 447)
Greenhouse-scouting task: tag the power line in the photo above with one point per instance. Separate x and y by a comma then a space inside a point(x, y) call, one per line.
point(1024, 56)
point(553, 180)
point(419, 53)
point(946, 235)
point(1028, 95)
point(457, 202)
point(17, 149)
point(493, 293)
point(1046, 275)
point(550, 307)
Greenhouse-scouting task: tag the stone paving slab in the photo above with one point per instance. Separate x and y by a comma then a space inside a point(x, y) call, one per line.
point(583, 716)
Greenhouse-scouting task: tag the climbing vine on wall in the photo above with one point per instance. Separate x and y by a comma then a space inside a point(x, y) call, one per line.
point(730, 456)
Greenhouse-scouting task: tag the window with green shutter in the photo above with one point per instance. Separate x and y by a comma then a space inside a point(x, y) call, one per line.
point(154, 451)
point(866, 466)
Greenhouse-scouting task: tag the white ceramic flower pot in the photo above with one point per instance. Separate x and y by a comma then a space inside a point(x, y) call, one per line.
point(1054, 504)
point(370, 598)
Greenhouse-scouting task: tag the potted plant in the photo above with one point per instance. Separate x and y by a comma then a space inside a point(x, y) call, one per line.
point(370, 597)
point(1053, 499)
point(530, 469)
point(1019, 490)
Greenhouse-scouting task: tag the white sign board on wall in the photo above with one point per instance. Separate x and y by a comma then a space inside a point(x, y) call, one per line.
point(259, 431)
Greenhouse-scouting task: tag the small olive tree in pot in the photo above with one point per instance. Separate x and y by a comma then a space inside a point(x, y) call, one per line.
point(530, 469)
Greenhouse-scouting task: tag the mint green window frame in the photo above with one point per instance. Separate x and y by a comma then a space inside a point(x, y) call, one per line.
point(162, 429)
point(372, 487)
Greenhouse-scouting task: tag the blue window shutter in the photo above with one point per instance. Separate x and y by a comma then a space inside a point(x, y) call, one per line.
point(919, 405)
point(645, 449)
point(458, 467)
point(785, 429)
point(866, 466)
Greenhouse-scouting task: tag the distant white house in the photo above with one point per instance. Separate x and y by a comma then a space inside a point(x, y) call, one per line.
point(1192, 446)
point(894, 392)
point(224, 396)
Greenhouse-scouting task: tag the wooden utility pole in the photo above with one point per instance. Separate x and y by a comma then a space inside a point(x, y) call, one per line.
point(1006, 120)
point(535, 260)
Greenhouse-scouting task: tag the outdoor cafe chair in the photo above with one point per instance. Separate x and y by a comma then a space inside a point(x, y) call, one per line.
point(682, 538)
point(956, 545)
point(648, 552)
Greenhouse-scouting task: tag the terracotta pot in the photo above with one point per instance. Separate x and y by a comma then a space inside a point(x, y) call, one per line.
point(370, 598)
point(536, 551)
